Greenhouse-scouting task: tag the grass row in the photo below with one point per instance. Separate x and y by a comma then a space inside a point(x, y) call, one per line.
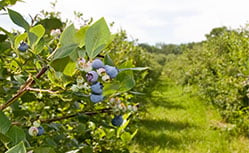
point(177, 122)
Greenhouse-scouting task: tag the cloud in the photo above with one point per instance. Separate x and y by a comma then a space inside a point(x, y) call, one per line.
point(154, 21)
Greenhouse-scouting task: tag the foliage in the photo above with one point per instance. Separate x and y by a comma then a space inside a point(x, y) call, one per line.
point(5, 3)
point(45, 85)
point(219, 68)
point(122, 50)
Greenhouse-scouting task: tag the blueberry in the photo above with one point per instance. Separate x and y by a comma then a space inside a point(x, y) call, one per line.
point(111, 71)
point(92, 76)
point(97, 88)
point(23, 47)
point(40, 130)
point(117, 120)
point(97, 63)
point(96, 98)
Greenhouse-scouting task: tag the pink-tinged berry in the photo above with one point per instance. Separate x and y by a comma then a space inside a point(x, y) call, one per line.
point(92, 76)
point(55, 32)
point(33, 131)
point(101, 71)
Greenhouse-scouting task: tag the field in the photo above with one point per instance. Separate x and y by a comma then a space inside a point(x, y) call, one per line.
point(177, 121)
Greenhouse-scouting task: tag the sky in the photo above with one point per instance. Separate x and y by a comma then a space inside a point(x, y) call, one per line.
point(150, 21)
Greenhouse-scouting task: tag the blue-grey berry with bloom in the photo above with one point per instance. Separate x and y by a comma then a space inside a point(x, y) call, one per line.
point(117, 120)
point(111, 71)
point(40, 130)
point(96, 98)
point(97, 88)
point(23, 47)
point(97, 63)
point(92, 76)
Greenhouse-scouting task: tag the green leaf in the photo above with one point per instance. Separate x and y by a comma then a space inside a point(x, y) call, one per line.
point(19, 148)
point(68, 36)
point(39, 31)
point(97, 37)
point(80, 36)
point(3, 37)
point(4, 46)
point(126, 79)
point(134, 133)
point(16, 134)
point(65, 51)
point(108, 60)
point(65, 65)
point(52, 23)
point(44, 149)
point(18, 19)
point(81, 52)
point(4, 139)
point(122, 127)
point(32, 38)
point(111, 88)
point(126, 137)
point(5, 123)
point(20, 38)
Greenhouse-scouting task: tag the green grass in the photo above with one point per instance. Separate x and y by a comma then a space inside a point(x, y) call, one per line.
point(178, 122)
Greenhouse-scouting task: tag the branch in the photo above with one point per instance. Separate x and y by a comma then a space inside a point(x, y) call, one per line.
point(23, 89)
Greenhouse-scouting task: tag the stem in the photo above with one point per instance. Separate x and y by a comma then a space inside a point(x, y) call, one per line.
point(23, 89)
point(41, 90)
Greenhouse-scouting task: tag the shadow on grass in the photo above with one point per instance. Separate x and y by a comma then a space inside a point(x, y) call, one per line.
point(161, 125)
point(148, 142)
point(153, 134)
point(165, 102)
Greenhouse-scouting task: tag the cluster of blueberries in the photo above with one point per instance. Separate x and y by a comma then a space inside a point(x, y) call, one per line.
point(97, 87)
point(92, 77)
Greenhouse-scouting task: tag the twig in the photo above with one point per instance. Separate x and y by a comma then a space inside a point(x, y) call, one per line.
point(23, 89)
point(41, 90)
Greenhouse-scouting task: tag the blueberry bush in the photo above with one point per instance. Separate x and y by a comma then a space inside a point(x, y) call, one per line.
point(67, 89)
point(217, 69)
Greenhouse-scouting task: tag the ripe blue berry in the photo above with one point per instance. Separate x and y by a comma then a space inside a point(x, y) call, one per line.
point(40, 130)
point(117, 120)
point(96, 98)
point(92, 76)
point(97, 63)
point(111, 71)
point(23, 47)
point(97, 88)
